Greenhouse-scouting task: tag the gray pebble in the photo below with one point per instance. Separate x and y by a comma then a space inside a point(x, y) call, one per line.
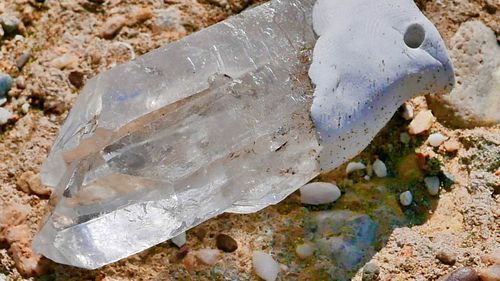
point(5, 84)
point(5, 115)
point(371, 272)
point(23, 59)
point(9, 23)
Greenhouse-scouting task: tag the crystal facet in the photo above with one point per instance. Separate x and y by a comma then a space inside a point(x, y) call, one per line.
point(220, 121)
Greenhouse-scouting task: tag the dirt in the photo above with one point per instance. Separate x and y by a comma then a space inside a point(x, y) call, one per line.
point(72, 41)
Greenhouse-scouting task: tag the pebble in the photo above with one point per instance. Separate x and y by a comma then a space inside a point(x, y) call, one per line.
point(29, 182)
point(208, 256)
point(436, 139)
point(2, 33)
point(463, 274)
point(179, 240)
point(140, 16)
point(113, 26)
point(475, 54)
point(265, 266)
point(371, 271)
point(491, 273)
point(492, 258)
point(5, 115)
point(3, 277)
point(354, 166)
point(23, 59)
point(25, 108)
point(432, 184)
point(379, 168)
point(406, 198)
point(3, 101)
point(65, 61)
point(5, 84)
point(76, 79)
point(305, 250)
point(404, 138)
point(452, 145)
point(317, 193)
point(421, 123)
point(10, 23)
point(446, 257)
point(226, 243)
point(408, 111)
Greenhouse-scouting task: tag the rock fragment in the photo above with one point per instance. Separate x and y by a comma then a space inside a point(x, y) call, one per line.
point(179, 240)
point(317, 193)
point(76, 79)
point(265, 266)
point(226, 243)
point(66, 61)
point(436, 139)
point(5, 84)
point(447, 257)
point(371, 272)
point(208, 256)
point(406, 198)
point(491, 273)
point(451, 146)
point(432, 184)
point(463, 274)
point(112, 26)
point(474, 100)
point(379, 168)
point(354, 166)
point(5, 115)
point(29, 182)
point(305, 250)
point(421, 123)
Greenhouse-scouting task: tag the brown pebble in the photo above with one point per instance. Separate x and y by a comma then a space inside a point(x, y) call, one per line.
point(226, 243)
point(446, 257)
point(140, 16)
point(463, 274)
point(29, 182)
point(452, 145)
point(113, 26)
point(491, 273)
point(76, 79)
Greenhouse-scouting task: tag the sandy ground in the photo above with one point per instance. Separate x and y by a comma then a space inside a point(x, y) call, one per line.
point(71, 41)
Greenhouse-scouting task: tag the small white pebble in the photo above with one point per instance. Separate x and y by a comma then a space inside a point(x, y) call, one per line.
point(179, 240)
point(354, 166)
point(367, 178)
point(404, 138)
point(208, 256)
point(5, 115)
point(407, 111)
point(265, 266)
point(436, 139)
point(304, 250)
point(432, 184)
point(25, 108)
point(406, 198)
point(379, 168)
point(317, 193)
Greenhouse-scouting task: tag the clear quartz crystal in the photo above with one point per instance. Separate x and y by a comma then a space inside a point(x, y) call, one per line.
point(217, 122)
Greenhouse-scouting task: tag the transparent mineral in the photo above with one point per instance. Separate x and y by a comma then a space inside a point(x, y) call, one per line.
point(225, 120)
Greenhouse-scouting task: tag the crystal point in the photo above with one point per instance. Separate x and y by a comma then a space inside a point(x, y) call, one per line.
point(224, 120)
